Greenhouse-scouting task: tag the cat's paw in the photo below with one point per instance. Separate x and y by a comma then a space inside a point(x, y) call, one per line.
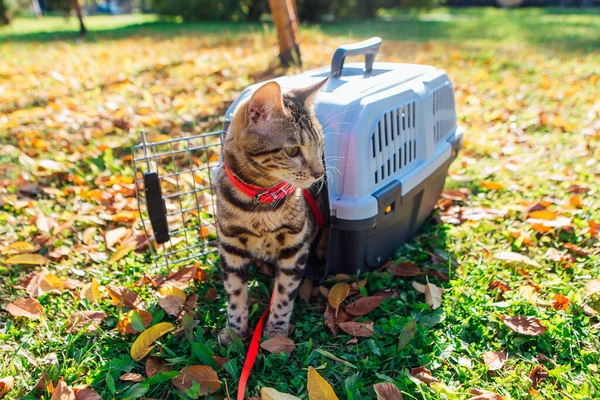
point(275, 331)
point(226, 336)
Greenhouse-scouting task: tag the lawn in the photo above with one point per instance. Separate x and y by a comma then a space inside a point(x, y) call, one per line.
point(515, 234)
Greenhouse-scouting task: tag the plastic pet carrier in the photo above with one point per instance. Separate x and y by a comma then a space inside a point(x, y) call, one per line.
point(390, 136)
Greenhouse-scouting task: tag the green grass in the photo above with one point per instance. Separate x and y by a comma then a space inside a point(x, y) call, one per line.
point(526, 90)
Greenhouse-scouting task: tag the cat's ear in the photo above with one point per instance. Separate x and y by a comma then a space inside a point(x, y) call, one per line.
point(265, 102)
point(306, 95)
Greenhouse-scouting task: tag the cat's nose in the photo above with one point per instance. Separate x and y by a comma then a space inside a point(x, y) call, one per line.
point(318, 174)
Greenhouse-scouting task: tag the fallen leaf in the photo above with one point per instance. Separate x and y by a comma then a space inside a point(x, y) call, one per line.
point(491, 185)
point(498, 284)
point(329, 319)
point(131, 377)
point(424, 375)
point(172, 290)
point(337, 295)
point(87, 394)
point(171, 304)
point(433, 293)
point(81, 319)
point(124, 326)
point(121, 252)
point(221, 361)
point(205, 376)
point(592, 287)
point(361, 329)
point(62, 392)
point(481, 394)
point(544, 214)
point(44, 383)
point(553, 254)
point(51, 283)
point(182, 278)
point(156, 365)
point(145, 341)
point(267, 393)
point(6, 384)
point(125, 297)
point(405, 268)
point(28, 308)
point(407, 334)
point(211, 294)
point(494, 360)
point(387, 391)
point(364, 305)
point(88, 235)
point(578, 251)
point(278, 344)
point(90, 291)
point(560, 302)
point(509, 256)
point(112, 237)
point(529, 326)
point(26, 259)
point(319, 388)
point(19, 248)
point(537, 376)
point(45, 224)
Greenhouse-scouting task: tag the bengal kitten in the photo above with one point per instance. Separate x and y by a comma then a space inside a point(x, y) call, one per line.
point(273, 138)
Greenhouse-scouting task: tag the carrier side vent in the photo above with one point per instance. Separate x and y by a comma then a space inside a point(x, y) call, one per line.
point(394, 142)
point(444, 119)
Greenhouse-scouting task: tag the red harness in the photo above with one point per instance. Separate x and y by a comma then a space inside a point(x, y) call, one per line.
point(274, 193)
point(266, 195)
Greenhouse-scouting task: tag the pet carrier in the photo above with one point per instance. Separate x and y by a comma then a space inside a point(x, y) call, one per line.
point(390, 136)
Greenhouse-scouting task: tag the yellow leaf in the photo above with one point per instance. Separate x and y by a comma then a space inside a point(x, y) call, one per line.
point(26, 259)
point(51, 283)
point(88, 235)
point(90, 291)
point(337, 295)
point(120, 253)
point(319, 388)
point(172, 290)
point(145, 342)
point(267, 393)
point(492, 185)
point(544, 214)
point(19, 248)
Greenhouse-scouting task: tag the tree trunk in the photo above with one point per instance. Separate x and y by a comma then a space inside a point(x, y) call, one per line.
point(286, 23)
point(77, 8)
point(35, 6)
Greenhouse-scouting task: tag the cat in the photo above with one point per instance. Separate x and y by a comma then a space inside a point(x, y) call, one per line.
point(273, 149)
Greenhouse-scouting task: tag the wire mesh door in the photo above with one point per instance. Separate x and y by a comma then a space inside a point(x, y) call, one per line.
point(176, 196)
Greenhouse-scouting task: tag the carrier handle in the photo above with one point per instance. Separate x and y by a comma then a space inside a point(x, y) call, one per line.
point(155, 204)
point(369, 48)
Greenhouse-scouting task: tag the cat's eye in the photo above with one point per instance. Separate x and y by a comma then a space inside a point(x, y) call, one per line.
point(292, 151)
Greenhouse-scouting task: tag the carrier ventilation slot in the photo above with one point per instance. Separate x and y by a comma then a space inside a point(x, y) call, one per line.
point(444, 119)
point(394, 142)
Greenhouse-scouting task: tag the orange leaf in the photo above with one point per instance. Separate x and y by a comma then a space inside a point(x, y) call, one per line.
point(560, 302)
point(492, 185)
point(544, 214)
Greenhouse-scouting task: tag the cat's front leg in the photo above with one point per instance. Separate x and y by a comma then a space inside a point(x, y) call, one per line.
point(289, 274)
point(235, 266)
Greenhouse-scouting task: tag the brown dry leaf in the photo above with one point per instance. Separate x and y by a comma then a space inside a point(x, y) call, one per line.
point(498, 284)
point(529, 326)
point(124, 326)
point(278, 344)
point(145, 341)
point(211, 294)
point(220, 361)
point(88, 235)
point(205, 376)
point(578, 251)
point(337, 295)
point(267, 393)
point(121, 252)
point(491, 185)
point(361, 329)
point(329, 319)
point(172, 290)
point(81, 319)
point(553, 254)
point(45, 224)
point(156, 365)
point(560, 302)
point(112, 237)
point(424, 375)
point(19, 248)
point(544, 214)
point(387, 293)
point(87, 394)
point(6, 384)
point(433, 293)
point(90, 291)
point(44, 383)
point(387, 391)
point(33, 287)
point(592, 287)
point(51, 284)
point(26, 259)
point(538, 375)
point(405, 268)
point(319, 388)
point(509, 256)
point(131, 377)
point(481, 394)
point(28, 308)
point(306, 289)
point(171, 304)
point(125, 297)
point(494, 360)
point(182, 278)
point(364, 305)
point(62, 392)
point(453, 194)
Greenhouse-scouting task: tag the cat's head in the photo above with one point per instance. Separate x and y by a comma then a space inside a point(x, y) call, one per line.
point(277, 138)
